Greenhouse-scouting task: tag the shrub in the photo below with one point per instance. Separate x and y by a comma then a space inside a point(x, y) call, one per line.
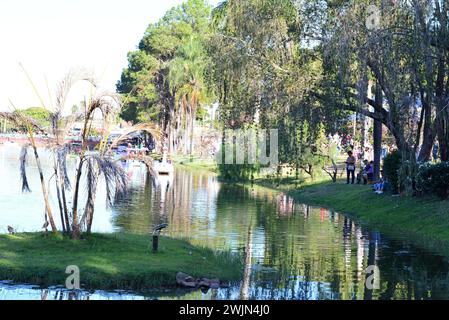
point(236, 172)
point(392, 164)
point(407, 176)
point(434, 179)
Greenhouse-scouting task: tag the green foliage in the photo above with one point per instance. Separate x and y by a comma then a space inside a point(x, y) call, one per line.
point(434, 179)
point(262, 76)
point(39, 114)
point(169, 59)
point(237, 172)
point(407, 175)
point(392, 165)
point(288, 64)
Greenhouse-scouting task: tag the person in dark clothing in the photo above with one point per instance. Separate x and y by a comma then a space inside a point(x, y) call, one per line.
point(435, 151)
point(350, 167)
point(368, 172)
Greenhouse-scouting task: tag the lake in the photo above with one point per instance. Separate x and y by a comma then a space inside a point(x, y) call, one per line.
point(292, 250)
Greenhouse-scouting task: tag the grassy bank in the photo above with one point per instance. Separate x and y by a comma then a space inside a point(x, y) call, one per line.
point(423, 221)
point(195, 163)
point(115, 261)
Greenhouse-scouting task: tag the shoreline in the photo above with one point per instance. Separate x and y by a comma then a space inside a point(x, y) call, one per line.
point(422, 221)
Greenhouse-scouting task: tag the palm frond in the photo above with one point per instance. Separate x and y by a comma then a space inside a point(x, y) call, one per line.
point(91, 183)
point(23, 174)
point(62, 165)
point(65, 86)
point(20, 120)
point(60, 124)
point(150, 128)
point(106, 102)
point(116, 179)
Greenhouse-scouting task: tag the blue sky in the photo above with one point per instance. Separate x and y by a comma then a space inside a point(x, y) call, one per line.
point(51, 36)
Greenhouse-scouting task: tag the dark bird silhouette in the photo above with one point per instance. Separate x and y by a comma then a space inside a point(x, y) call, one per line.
point(158, 228)
point(11, 230)
point(45, 226)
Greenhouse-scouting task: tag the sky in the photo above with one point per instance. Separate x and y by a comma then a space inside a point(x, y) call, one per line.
point(49, 37)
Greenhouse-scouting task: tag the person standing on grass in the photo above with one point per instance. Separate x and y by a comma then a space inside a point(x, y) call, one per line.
point(350, 167)
point(370, 172)
point(435, 151)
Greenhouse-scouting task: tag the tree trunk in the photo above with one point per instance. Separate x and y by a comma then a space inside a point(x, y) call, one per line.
point(61, 210)
point(75, 226)
point(44, 189)
point(90, 212)
point(377, 134)
point(428, 134)
point(442, 118)
point(192, 130)
point(363, 133)
point(66, 211)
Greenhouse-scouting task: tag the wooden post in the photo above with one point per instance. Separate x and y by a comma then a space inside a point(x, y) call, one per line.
point(155, 242)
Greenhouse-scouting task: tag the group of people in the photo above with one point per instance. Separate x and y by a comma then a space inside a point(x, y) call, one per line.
point(366, 173)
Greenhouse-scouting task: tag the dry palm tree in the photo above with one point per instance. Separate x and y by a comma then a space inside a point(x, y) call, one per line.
point(60, 126)
point(90, 166)
point(30, 126)
point(96, 164)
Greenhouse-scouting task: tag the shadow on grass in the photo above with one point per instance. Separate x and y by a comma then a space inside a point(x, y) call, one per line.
point(115, 261)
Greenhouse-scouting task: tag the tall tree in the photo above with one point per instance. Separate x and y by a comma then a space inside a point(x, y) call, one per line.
point(164, 81)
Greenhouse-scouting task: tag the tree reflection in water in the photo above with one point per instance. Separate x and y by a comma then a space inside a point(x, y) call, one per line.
point(298, 252)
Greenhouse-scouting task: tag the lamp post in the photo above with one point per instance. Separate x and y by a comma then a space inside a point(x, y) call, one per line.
point(156, 232)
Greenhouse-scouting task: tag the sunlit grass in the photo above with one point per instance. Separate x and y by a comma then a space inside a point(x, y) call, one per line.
point(115, 261)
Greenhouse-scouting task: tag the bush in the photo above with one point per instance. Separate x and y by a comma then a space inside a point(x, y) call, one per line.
point(392, 164)
point(238, 172)
point(434, 179)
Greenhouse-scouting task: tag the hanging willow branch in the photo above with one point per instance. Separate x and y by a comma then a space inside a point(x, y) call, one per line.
point(62, 165)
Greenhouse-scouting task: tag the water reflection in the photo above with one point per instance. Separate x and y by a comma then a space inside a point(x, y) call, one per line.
point(292, 251)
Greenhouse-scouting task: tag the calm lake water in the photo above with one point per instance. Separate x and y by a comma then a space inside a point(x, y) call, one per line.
point(293, 251)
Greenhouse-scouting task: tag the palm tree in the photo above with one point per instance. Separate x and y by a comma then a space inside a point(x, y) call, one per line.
point(186, 78)
point(59, 128)
point(90, 165)
point(20, 120)
point(99, 163)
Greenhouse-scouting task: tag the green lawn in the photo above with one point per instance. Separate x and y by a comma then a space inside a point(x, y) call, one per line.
point(424, 221)
point(195, 163)
point(114, 261)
